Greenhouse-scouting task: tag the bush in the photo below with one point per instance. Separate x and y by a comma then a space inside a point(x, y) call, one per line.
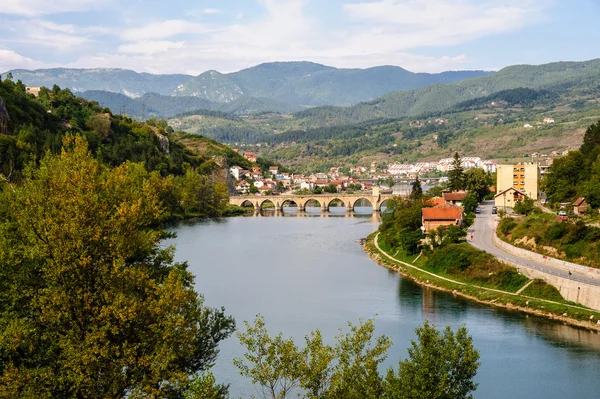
point(448, 259)
point(556, 231)
point(507, 225)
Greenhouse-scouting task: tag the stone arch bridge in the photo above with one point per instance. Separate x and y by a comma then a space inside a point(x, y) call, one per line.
point(349, 200)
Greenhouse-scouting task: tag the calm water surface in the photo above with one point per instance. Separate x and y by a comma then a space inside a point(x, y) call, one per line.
point(304, 273)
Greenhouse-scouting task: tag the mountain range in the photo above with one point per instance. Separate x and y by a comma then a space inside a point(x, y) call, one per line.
point(308, 84)
point(299, 84)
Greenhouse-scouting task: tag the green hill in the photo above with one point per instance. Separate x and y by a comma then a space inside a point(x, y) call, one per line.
point(161, 106)
point(439, 97)
point(309, 84)
point(130, 83)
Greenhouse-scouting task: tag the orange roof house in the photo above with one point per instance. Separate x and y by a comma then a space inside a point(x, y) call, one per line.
point(455, 198)
point(436, 201)
point(435, 217)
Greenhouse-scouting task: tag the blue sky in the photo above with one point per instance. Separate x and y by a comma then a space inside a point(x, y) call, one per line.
point(184, 36)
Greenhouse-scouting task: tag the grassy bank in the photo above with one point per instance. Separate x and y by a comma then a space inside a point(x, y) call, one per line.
point(572, 240)
point(498, 289)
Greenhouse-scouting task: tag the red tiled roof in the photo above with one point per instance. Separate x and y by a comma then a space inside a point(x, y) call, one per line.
point(442, 213)
point(579, 202)
point(457, 196)
point(437, 201)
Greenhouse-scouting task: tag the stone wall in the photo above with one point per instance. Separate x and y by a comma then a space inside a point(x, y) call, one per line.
point(564, 265)
point(585, 294)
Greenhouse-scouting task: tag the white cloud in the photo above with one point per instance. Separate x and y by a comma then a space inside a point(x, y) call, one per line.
point(61, 37)
point(150, 47)
point(40, 7)
point(164, 29)
point(391, 32)
point(11, 60)
point(203, 11)
point(401, 25)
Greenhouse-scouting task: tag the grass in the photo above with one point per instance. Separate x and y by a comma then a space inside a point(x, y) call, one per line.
point(571, 240)
point(532, 299)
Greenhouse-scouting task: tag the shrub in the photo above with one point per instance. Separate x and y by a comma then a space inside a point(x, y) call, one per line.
point(556, 231)
point(507, 225)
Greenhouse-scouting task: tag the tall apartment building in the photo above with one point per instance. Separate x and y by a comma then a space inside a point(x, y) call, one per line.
point(523, 177)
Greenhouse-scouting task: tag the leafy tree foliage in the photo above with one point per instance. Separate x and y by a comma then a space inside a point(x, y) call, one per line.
point(456, 175)
point(470, 203)
point(90, 306)
point(401, 224)
point(439, 365)
point(578, 173)
point(416, 191)
point(524, 206)
point(479, 182)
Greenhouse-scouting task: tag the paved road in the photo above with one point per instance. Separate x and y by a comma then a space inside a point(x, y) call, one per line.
point(482, 231)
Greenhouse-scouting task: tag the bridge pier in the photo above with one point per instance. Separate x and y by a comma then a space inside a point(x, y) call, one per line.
point(349, 207)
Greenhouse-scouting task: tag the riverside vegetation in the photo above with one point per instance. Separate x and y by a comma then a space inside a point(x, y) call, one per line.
point(91, 306)
point(446, 261)
point(576, 240)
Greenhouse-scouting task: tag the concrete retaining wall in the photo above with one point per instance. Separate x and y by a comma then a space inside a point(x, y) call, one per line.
point(566, 266)
point(574, 291)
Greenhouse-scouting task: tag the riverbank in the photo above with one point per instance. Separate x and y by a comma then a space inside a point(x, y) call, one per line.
point(566, 313)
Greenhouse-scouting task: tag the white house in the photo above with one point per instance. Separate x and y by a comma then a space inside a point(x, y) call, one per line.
point(235, 172)
point(548, 120)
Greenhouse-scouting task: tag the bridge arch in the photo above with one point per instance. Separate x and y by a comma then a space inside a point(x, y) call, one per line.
point(267, 204)
point(362, 200)
point(310, 203)
point(336, 200)
point(290, 203)
point(247, 204)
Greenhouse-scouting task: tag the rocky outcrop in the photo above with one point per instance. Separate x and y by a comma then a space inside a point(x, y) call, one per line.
point(4, 118)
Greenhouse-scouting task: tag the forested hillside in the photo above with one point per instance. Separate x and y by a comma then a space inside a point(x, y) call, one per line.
point(189, 183)
point(578, 173)
point(161, 106)
point(309, 84)
point(553, 77)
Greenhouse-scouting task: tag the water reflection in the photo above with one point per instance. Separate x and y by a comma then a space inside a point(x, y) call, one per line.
point(304, 270)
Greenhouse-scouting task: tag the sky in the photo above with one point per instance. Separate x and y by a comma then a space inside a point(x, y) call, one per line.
point(187, 36)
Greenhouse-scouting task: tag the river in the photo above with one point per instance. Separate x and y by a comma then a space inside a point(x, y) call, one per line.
point(303, 273)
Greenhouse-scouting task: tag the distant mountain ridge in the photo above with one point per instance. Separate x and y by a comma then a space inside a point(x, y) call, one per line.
point(300, 84)
point(130, 83)
point(554, 77)
point(161, 106)
point(309, 84)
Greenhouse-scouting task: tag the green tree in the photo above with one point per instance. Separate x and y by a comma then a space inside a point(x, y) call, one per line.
point(90, 305)
point(317, 190)
point(416, 191)
point(330, 188)
point(591, 139)
point(471, 202)
point(204, 386)
point(349, 370)
point(524, 206)
point(477, 181)
point(456, 175)
point(439, 366)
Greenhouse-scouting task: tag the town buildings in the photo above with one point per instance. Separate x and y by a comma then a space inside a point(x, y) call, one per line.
point(437, 216)
point(523, 177)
